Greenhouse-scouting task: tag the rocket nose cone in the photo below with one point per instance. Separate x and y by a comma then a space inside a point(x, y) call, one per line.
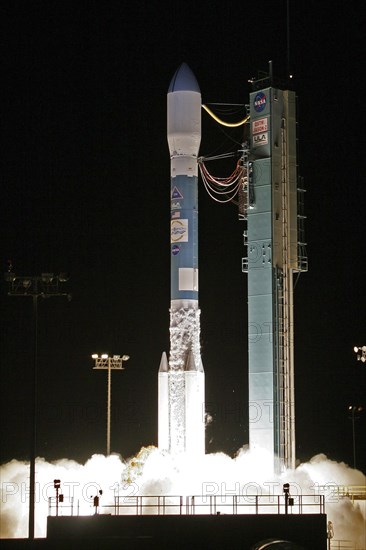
point(184, 80)
point(164, 367)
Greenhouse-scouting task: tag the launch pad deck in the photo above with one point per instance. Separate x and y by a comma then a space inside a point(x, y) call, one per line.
point(307, 531)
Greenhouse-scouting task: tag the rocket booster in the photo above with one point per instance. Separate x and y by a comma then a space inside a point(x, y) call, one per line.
point(181, 380)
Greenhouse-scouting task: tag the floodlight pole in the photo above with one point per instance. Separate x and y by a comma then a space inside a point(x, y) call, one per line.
point(109, 410)
point(354, 410)
point(108, 363)
point(45, 285)
point(33, 445)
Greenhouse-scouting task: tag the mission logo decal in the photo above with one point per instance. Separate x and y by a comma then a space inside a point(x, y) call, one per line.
point(179, 231)
point(175, 249)
point(176, 194)
point(260, 139)
point(260, 102)
point(260, 125)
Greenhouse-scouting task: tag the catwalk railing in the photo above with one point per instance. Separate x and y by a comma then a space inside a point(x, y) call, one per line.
point(335, 492)
point(199, 504)
point(216, 504)
point(342, 545)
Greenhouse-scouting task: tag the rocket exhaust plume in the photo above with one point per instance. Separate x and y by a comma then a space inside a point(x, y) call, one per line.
point(152, 472)
point(181, 379)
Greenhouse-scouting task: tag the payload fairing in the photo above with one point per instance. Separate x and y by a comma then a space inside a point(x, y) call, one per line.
point(181, 379)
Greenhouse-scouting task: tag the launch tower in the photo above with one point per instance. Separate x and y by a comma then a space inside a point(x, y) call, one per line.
point(274, 241)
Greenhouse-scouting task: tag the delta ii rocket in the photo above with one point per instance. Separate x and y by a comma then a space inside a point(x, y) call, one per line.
point(181, 379)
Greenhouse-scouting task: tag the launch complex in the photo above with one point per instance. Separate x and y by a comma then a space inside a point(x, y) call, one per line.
point(266, 184)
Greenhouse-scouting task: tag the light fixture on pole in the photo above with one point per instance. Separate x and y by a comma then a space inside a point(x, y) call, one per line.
point(361, 353)
point(109, 363)
point(46, 285)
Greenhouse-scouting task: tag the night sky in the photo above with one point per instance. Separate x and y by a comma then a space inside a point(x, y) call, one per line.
point(85, 189)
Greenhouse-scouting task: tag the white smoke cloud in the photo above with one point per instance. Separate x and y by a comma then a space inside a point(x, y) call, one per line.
point(152, 472)
point(79, 483)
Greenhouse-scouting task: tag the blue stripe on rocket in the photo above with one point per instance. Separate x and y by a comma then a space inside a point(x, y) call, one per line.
point(184, 234)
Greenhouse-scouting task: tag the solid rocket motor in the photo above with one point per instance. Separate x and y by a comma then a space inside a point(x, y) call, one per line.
point(181, 379)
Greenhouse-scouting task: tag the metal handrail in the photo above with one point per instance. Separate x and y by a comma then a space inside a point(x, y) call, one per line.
point(354, 492)
point(214, 504)
point(233, 504)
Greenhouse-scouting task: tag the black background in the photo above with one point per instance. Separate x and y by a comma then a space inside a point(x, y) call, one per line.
point(85, 189)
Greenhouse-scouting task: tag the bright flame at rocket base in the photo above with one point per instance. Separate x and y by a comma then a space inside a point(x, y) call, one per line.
point(182, 379)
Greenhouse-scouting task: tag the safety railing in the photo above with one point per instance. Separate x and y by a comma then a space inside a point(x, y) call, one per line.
point(215, 505)
point(342, 545)
point(332, 491)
